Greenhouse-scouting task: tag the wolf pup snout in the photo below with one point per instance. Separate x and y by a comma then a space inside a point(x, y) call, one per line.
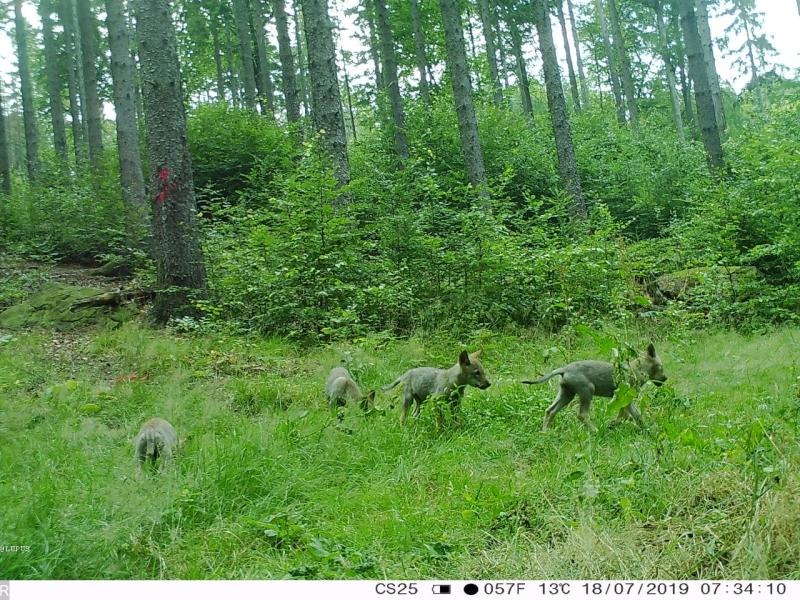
point(588, 378)
point(446, 384)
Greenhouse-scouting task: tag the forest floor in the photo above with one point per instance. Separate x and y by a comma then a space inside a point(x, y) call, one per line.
point(270, 484)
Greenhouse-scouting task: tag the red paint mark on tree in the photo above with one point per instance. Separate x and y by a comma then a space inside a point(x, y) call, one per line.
point(165, 185)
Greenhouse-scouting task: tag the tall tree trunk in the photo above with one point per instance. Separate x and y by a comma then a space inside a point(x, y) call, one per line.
point(753, 68)
point(703, 28)
point(391, 80)
point(668, 67)
point(288, 78)
point(686, 82)
point(214, 25)
point(242, 20)
point(76, 30)
point(613, 73)
point(26, 89)
point(491, 54)
point(624, 62)
point(123, 74)
point(180, 269)
point(462, 93)
point(53, 81)
point(302, 59)
point(573, 81)
point(501, 49)
point(67, 20)
point(522, 70)
point(5, 163)
point(567, 163)
point(326, 102)
point(350, 111)
point(419, 52)
point(706, 116)
point(578, 58)
point(369, 15)
point(94, 110)
point(266, 92)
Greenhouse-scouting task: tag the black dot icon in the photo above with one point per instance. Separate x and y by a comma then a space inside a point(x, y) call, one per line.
point(470, 589)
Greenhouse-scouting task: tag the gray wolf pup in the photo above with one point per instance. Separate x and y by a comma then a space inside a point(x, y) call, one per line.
point(587, 378)
point(156, 438)
point(447, 384)
point(340, 386)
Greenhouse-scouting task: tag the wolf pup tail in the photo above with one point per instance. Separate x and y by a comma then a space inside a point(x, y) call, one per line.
point(550, 375)
point(394, 384)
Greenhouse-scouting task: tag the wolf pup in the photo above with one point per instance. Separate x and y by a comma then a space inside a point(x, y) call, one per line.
point(156, 438)
point(340, 386)
point(587, 378)
point(445, 384)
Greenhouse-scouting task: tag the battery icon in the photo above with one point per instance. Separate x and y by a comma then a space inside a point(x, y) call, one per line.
point(441, 588)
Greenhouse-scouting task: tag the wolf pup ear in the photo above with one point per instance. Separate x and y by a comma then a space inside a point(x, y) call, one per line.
point(476, 354)
point(651, 350)
point(463, 358)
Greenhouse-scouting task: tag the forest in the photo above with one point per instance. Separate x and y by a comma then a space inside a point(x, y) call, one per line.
point(208, 205)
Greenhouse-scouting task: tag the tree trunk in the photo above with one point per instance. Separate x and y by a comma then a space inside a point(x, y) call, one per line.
point(704, 30)
point(578, 58)
point(462, 93)
point(123, 73)
point(26, 89)
point(266, 92)
point(65, 16)
point(686, 82)
point(753, 68)
point(624, 62)
point(391, 81)
point(613, 74)
point(706, 116)
point(522, 70)
point(369, 15)
point(288, 78)
point(233, 81)
point(668, 67)
point(491, 54)
point(5, 163)
point(180, 269)
point(567, 163)
point(94, 110)
point(53, 81)
point(326, 102)
point(76, 30)
point(302, 59)
point(501, 49)
point(573, 81)
point(242, 20)
point(350, 111)
point(214, 25)
point(419, 51)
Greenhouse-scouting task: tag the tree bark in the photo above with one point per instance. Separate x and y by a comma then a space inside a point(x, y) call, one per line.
point(266, 91)
point(573, 81)
point(462, 93)
point(26, 90)
point(350, 111)
point(233, 80)
point(624, 63)
point(214, 26)
point(5, 163)
point(522, 70)
point(123, 73)
point(302, 59)
point(391, 80)
point(706, 116)
point(686, 82)
point(613, 74)
point(369, 15)
point(326, 101)
point(578, 57)
point(491, 54)
point(288, 78)
point(703, 28)
point(180, 269)
point(567, 162)
point(53, 81)
point(67, 19)
point(242, 20)
point(94, 110)
point(752, 59)
point(419, 52)
point(668, 67)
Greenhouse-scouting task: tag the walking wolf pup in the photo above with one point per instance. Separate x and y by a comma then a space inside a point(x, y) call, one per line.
point(156, 438)
point(340, 386)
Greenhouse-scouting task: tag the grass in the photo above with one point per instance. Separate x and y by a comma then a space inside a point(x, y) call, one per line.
point(269, 484)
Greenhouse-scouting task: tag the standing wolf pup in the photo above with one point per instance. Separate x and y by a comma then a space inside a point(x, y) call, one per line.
point(340, 386)
point(587, 378)
point(156, 438)
point(445, 384)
